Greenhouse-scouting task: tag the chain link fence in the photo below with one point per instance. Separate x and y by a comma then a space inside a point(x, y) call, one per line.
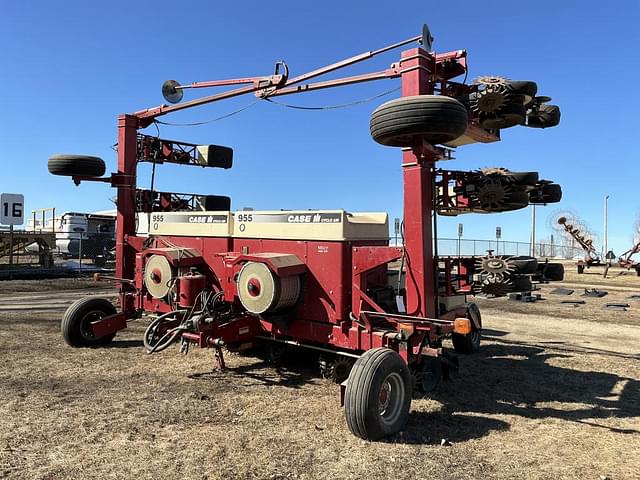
point(83, 250)
point(474, 247)
point(96, 250)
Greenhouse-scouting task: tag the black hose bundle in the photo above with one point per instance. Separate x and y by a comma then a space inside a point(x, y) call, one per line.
point(167, 339)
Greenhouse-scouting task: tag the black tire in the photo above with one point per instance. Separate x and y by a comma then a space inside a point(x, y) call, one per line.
point(552, 193)
point(546, 193)
point(468, 344)
point(76, 165)
point(524, 265)
point(510, 115)
point(517, 98)
point(466, 99)
point(515, 201)
point(521, 283)
point(434, 118)
point(554, 272)
point(525, 178)
point(75, 321)
point(276, 353)
point(428, 375)
point(524, 87)
point(528, 179)
point(546, 116)
point(378, 394)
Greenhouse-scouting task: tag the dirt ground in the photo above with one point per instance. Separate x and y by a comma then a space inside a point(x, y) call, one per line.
point(553, 394)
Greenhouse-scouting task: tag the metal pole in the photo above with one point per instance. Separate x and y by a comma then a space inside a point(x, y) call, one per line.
point(11, 244)
point(533, 231)
point(606, 239)
point(80, 252)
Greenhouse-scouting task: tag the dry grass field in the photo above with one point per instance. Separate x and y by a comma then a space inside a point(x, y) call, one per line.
point(554, 394)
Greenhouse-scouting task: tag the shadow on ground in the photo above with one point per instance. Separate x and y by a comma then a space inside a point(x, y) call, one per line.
point(124, 344)
point(505, 378)
point(508, 379)
point(295, 370)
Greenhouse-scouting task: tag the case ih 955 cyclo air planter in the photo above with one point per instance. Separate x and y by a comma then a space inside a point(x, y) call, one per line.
point(322, 279)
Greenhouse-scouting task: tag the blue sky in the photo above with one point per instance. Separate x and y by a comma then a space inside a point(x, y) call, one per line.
point(69, 68)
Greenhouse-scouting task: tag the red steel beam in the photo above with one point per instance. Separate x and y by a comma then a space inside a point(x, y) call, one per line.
point(126, 209)
point(418, 177)
point(308, 87)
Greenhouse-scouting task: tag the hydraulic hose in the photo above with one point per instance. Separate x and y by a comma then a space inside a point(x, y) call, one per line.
point(166, 340)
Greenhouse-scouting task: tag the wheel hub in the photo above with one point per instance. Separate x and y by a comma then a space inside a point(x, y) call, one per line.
point(390, 398)
point(85, 324)
point(385, 396)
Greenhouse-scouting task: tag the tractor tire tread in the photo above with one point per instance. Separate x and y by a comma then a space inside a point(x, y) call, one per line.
point(76, 165)
point(436, 118)
point(357, 396)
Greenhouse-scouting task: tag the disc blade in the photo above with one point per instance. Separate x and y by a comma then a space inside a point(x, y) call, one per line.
point(170, 93)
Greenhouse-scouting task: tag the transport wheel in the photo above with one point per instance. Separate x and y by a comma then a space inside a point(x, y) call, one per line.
point(554, 271)
point(378, 395)
point(512, 114)
point(546, 193)
point(546, 116)
point(468, 344)
point(514, 201)
point(275, 353)
point(428, 375)
point(76, 165)
point(551, 193)
point(524, 87)
point(521, 283)
point(524, 265)
point(520, 178)
point(76, 328)
point(434, 118)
